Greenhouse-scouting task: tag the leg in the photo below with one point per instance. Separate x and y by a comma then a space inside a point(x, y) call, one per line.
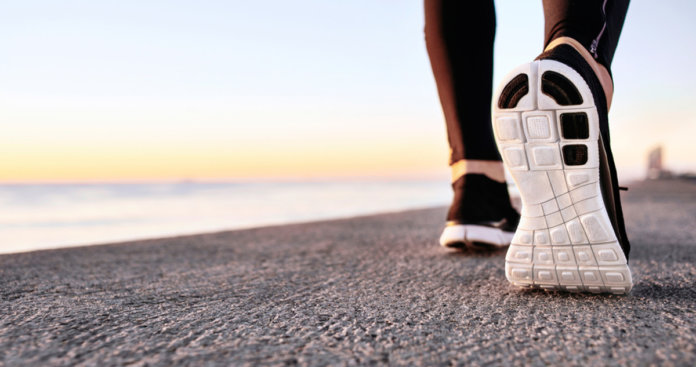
point(551, 124)
point(459, 37)
point(592, 27)
point(461, 56)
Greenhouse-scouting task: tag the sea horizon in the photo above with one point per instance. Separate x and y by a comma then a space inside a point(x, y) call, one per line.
point(39, 216)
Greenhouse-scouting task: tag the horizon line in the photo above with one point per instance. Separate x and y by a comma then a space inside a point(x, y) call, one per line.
point(203, 180)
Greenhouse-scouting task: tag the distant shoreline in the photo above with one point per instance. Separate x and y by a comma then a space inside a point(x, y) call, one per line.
point(126, 242)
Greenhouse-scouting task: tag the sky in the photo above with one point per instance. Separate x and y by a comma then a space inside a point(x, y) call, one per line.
point(216, 90)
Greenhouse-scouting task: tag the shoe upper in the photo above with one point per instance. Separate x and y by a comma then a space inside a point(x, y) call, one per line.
point(482, 201)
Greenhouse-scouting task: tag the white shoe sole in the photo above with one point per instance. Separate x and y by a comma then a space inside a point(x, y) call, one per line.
point(470, 235)
point(565, 240)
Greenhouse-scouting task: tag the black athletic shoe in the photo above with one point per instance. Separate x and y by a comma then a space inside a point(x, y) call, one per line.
point(481, 216)
point(551, 127)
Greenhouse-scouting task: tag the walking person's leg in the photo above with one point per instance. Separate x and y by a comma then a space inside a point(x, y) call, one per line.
point(592, 27)
point(459, 38)
point(551, 126)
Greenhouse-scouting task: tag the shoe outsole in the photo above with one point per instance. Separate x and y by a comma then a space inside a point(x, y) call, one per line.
point(474, 237)
point(565, 240)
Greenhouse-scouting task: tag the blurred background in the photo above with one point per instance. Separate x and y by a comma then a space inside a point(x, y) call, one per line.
point(134, 119)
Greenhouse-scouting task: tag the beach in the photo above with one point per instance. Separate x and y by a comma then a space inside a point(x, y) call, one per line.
point(365, 290)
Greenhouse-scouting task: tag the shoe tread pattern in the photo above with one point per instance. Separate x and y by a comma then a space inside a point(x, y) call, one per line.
point(565, 240)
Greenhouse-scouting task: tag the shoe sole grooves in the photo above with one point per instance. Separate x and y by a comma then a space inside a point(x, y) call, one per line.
point(562, 90)
point(514, 91)
point(575, 126)
point(575, 155)
point(565, 240)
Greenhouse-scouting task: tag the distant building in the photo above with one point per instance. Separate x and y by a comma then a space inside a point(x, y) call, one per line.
point(655, 168)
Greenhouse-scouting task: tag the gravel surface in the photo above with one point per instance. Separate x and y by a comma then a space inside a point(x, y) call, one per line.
point(368, 290)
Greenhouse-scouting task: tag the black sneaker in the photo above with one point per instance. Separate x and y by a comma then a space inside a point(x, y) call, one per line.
point(551, 127)
point(481, 216)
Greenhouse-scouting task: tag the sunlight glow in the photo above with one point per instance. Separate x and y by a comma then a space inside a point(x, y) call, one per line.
point(169, 91)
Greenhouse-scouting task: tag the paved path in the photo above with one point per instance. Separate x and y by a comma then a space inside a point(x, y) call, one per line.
point(374, 289)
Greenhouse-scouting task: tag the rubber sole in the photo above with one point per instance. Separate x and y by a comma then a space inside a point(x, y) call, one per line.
point(549, 141)
point(474, 237)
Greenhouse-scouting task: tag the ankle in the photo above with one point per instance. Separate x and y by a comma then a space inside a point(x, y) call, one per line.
point(600, 70)
point(491, 169)
point(477, 198)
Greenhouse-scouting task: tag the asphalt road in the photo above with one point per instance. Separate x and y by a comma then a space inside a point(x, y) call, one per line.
point(369, 290)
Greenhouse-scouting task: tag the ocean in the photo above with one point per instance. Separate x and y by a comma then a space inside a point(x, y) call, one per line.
point(43, 216)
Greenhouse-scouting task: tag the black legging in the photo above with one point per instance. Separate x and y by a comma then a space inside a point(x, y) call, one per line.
point(459, 37)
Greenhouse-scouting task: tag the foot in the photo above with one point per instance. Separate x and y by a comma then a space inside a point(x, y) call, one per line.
point(481, 216)
point(600, 71)
point(551, 127)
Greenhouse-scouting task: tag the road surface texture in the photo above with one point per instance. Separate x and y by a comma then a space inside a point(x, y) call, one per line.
point(368, 290)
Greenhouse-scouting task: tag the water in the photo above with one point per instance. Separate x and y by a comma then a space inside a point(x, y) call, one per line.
point(36, 217)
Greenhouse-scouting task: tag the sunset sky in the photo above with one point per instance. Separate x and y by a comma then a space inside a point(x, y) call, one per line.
point(170, 90)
